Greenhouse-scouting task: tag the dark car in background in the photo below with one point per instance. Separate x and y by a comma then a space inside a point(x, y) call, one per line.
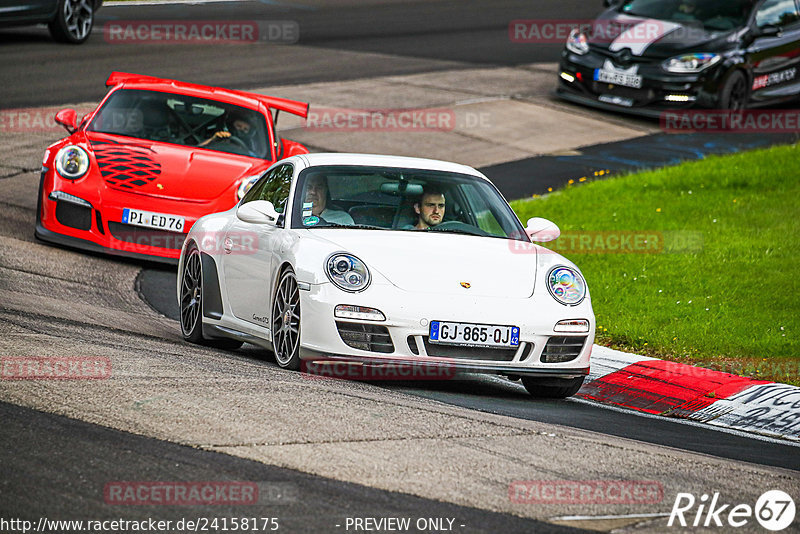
point(647, 56)
point(69, 21)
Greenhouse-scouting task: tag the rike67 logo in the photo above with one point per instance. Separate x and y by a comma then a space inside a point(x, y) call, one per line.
point(774, 510)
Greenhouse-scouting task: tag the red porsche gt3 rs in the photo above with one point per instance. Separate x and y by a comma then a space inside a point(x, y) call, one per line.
point(155, 156)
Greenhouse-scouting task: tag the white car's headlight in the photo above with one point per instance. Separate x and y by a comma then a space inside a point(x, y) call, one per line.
point(577, 42)
point(245, 184)
point(347, 272)
point(688, 63)
point(72, 162)
point(566, 285)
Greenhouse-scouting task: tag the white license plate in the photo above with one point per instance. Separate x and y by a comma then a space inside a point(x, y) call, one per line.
point(618, 78)
point(149, 219)
point(486, 335)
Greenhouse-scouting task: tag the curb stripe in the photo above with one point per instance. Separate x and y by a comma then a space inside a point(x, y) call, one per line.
point(662, 387)
point(670, 389)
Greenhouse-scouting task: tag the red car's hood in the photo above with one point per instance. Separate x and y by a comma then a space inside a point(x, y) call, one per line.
point(169, 171)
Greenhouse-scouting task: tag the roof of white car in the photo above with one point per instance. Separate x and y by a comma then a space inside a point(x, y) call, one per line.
point(386, 161)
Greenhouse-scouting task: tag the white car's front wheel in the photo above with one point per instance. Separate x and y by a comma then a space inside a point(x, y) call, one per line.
point(286, 322)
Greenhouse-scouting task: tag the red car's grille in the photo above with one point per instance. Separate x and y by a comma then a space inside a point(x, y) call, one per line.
point(125, 165)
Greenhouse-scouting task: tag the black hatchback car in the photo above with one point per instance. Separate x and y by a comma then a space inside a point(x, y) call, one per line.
point(647, 56)
point(69, 21)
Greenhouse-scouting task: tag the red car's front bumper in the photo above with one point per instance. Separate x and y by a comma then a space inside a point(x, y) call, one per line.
point(79, 219)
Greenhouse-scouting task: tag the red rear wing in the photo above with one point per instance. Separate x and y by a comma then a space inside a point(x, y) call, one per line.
point(284, 104)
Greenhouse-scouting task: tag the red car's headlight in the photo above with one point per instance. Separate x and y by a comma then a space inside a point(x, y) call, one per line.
point(72, 162)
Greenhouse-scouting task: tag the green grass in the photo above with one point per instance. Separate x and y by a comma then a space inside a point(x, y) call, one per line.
point(733, 304)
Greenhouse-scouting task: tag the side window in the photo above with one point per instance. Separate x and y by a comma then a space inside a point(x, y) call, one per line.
point(254, 193)
point(274, 186)
point(777, 12)
point(482, 212)
point(277, 187)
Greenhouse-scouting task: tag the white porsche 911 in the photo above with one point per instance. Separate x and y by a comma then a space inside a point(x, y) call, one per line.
point(387, 261)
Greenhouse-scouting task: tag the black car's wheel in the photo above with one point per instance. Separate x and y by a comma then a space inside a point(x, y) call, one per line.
point(286, 322)
point(73, 22)
point(191, 304)
point(549, 388)
point(733, 95)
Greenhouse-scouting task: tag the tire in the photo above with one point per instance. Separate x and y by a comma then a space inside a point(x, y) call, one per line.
point(73, 21)
point(191, 304)
point(286, 322)
point(733, 95)
point(550, 388)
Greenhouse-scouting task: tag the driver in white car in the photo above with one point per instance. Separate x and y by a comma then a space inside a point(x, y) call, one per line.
point(430, 209)
point(317, 195)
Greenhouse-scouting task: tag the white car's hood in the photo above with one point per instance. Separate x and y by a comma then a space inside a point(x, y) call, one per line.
point(438, 262)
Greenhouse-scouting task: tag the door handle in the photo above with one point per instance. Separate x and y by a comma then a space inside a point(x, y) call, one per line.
point(227, 245)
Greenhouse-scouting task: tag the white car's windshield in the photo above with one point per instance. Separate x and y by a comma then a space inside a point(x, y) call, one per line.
point(183, 120)
point(401, 200)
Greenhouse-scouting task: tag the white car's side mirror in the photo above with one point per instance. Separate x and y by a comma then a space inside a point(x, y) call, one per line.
point(258, 212)
point(541, 230)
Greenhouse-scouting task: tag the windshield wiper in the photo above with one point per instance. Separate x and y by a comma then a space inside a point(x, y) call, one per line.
point(479, 233)
point(357, 226)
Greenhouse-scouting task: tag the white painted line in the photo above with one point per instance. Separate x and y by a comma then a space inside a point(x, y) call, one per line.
point(480, 100)
point(689, 422)
point(726, 430)
point(598, 517)
point(167, 2)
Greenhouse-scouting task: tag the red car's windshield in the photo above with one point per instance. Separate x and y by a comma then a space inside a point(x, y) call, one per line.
point(183, 120)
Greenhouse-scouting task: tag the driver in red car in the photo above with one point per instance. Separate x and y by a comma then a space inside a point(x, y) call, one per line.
point(239, 127)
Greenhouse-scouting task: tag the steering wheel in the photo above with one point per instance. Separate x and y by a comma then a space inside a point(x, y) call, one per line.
point(236, 141)
point(460, 226)
point(450, 225)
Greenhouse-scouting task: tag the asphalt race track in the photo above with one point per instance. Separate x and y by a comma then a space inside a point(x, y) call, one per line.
point(320, 451)
point(385, 37)
point(56, 472)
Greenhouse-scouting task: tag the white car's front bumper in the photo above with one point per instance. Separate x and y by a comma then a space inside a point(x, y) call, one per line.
point(408, 317)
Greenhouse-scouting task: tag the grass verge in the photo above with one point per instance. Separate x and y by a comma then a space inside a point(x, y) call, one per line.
point(716, 283)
